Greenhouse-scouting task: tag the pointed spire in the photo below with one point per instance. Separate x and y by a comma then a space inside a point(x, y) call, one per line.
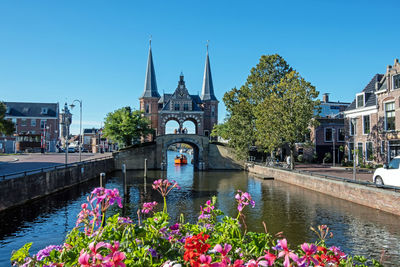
point(150, 84)
point(207, 91)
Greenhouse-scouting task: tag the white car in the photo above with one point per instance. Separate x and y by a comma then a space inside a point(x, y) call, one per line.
point(389, 174)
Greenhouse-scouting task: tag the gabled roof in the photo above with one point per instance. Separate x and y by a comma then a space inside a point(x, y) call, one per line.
point(369, 91)
point(150, 83)
point(27, 109)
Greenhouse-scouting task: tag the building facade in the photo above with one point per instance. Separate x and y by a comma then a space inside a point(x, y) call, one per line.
point(373, 119)
point(329, 135)
point(180, 106)
point(32, 121)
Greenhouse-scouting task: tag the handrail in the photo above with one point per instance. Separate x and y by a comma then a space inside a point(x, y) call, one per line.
point(332, 177)
point(54, 167)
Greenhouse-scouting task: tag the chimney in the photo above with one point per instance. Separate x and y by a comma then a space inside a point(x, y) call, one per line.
point(325, 98)
point(396, 61)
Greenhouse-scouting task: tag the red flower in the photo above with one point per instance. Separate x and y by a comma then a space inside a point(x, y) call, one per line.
point(194, 247)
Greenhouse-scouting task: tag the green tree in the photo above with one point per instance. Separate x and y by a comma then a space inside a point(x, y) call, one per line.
point(6, 126)
point(286, 113)
point(241, 104)
point(126, 126)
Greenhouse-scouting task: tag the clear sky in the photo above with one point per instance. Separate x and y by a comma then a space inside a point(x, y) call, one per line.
point(57, 51)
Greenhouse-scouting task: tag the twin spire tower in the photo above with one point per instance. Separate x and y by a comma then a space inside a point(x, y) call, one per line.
point(180, 106)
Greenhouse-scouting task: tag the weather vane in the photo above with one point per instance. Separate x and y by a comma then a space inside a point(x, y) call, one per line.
point(208, 41)
point(150, 39)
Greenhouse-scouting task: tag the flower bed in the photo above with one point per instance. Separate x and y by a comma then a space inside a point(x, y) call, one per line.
point(214, 241)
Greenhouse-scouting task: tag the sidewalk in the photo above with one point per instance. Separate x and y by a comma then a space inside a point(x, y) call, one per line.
point(24, 162)
point(338, 171)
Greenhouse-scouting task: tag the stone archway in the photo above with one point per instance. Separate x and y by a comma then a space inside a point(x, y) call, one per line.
point(198, 161)
point(180, 118)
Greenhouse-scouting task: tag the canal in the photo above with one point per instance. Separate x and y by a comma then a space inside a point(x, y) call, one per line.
point(283, 207)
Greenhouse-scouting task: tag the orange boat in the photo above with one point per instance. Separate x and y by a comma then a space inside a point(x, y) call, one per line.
point(179, 160)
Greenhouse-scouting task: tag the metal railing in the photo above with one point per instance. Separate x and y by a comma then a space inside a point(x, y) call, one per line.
point(51, 168)
point(332, 177)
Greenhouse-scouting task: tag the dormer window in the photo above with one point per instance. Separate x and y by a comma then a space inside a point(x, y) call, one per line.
point(8, 109)
point(360, 98)
point(396, 81)
point(44, 111)
point(25, 110)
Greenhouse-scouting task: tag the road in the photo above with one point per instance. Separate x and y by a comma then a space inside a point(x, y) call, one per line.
point(24, 162)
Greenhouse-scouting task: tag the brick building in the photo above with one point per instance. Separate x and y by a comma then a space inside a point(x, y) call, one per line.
point(180, 106)
point(373, 119)
point(32, 121)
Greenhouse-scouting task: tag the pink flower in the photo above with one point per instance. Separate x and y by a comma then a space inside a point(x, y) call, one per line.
point(84, 259)
point(164, 186)
point(243, 200)
point(286, 253)
point(148, 206)
point(95, 250)
point(218, 248)
point(270, 258)
point(310, 250)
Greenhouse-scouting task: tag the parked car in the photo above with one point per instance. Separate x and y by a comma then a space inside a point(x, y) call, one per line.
point(71, 149)
point(389, 174)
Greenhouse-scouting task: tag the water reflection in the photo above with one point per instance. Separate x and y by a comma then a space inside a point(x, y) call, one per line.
point(357, 229)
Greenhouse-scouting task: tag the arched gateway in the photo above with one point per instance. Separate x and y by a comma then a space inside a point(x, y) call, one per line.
point(180, 106)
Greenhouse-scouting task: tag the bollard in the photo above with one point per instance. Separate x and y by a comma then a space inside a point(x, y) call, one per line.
point(124, 178)
point(145, 167)
point(102, 176)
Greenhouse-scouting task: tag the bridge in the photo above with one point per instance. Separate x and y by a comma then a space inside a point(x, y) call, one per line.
point(206, 155)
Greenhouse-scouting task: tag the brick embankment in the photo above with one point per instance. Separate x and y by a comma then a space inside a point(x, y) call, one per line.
point(19, 190)
point(373, 197)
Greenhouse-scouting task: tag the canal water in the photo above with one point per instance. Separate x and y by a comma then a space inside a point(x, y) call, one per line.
point(283, 207)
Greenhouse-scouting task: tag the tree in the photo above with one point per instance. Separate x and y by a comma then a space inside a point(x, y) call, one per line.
point(126, 126)
point(241, 103)
point(6, 126)
point(285, 114)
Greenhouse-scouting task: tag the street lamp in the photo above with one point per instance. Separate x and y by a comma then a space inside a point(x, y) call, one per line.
point(354, 120)
point(80, 127)
point(334, 151)
point(66, 120)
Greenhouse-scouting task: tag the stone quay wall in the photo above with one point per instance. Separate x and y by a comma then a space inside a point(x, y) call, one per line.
point(377, 198)
point(17, 191)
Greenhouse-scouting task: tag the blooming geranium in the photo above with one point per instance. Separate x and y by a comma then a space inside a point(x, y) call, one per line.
point(46, 251)
point(243, 199)
point(194, 247)
point(309, 250)
point(285, 252)
point(148, 206)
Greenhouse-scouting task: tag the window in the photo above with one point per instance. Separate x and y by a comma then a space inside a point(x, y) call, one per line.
point(176, 106)
point(341, 135)
point(8, 109)
point(351, 151)
point(366, 124)
point(33, 123)
point(212, 111)
point(390, 117)
point(360, 100)
point(394, 164)
point(206, 133)
point(353, 127)
point(14, 120)
point(396, 82)
point(25, 110)
point(147, 108)
point(186, 106)
point(44, 110)
point(42, 124)
point(328, 134)
point(383, 146)
point(360, 151)
point(369, 152)
point(23, 122)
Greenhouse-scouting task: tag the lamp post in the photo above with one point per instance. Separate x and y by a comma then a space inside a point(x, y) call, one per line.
point(354, 120)
point(80, 126)
point(334, 150)
point(65, 123)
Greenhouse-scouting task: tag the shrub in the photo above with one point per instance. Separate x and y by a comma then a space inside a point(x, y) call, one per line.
point(214, 241)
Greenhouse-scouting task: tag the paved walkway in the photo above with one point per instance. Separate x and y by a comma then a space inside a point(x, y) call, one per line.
point(24, 162)
point(337, 171)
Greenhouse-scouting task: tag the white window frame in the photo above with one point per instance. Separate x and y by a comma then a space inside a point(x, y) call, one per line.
point(383, 147)
point(363, 100)
point(350, 153)
point(363, 124)
point(44, 111)
point(24, 122)
point(326, 141)
point(45, 123)
point(362, 151)
point(33, 122)
point(355, 127)
point(384, 105)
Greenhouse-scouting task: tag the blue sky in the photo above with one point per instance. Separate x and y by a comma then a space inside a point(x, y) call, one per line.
point(57, 51)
